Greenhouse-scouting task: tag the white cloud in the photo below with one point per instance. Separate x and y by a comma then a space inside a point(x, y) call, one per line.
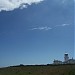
point(41, 28)
point(49, 28)
point(62, 25)
point(65, 24)
point(8, 5)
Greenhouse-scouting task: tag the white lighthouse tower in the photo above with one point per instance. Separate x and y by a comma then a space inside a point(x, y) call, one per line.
point(66, 57)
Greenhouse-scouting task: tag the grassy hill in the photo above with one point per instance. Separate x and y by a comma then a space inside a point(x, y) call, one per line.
point(39, 70)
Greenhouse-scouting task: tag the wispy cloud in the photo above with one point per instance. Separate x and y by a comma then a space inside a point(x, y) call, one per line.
point(42, 28)
point(62, 25)
point(49, 28)
point(64, 2)
point(65, 24)
point(8, 5)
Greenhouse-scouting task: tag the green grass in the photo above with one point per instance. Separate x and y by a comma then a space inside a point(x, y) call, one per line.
point(39, 70)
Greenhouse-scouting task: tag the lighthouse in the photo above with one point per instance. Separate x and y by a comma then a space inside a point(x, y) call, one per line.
point(66, 57)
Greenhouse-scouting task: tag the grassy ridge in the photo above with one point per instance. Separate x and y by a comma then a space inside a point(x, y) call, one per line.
point(39, 70)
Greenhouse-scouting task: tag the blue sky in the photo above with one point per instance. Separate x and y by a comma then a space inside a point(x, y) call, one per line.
point(36, 32)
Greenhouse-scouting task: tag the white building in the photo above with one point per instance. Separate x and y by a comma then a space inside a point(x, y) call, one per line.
point(66, 60)
point(70, 61)
point(57, 62)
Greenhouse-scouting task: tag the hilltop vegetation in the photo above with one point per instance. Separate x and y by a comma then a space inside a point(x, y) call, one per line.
point(39, 70)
